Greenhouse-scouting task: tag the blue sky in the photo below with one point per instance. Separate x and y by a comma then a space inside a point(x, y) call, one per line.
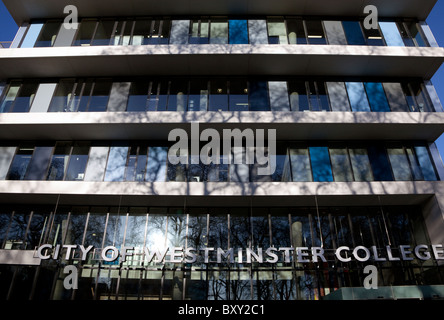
point(8, 28)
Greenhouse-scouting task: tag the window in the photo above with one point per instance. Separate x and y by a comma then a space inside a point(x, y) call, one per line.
point(425, 163)
point(238, 31)
point(85, 33)
point(361, 165)
point(411, 34)
point(373, 37)
point(298, 96)
point(357, 96)
point(400, 164)
point(95, 95)
point(296, 32)
point(277, 33)
point(48, 34)
point(417, 97)
point(219, 31)
point(158, 96)
point(122, 35)
point(77, 162)
point(20, 163)
point(315, 32)
point(238, 98)
point(353, 33)
point(218, 95)
point(59, 161)
point(318, 96)
point(391, 34)
point(376, 96)
point(138, 96)
point(258, 96)
point(320, 164)
point(198, 97)
point(115, 169)
point(340, 163)
point(63, 99)
point(300, 164)
point(199, 31)
point(104, 32)
point(157, 164)
point(19, 96)
point(177, 99)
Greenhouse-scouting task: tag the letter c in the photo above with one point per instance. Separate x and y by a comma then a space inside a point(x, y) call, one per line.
point(40, 249)
point(338, 254)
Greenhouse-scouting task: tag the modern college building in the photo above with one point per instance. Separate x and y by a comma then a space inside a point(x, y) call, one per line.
point(85, 115)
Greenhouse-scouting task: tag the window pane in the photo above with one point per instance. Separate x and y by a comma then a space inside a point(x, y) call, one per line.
point(218, 95)
point(115, 168)
point(373, 37)
point(296, 31)
point(177, 100)
point(85, 33)
point(320, 163)
point(315, 32)
point(340, 163)
point(277, 33)
point(426, 164)
point(141, 32)
point(421, 97)
point(48, 34)
point(122, 35)
point(25, 97)
point(9, 97)
point(416, 170)
point(77, 162)
point(84, 90)
point(300, 164)
point(59, 161)
point(238, 95)
point(100, 96)
point(62, 99)
point(380, 163)
point(158, 97)
point(238, 31)
point(138, 96)
point(104, 32)
point(391, 34)
point(157, 164)
point(198, 97)
point(376, 96)
point(322, 96)
point(298, 96)
point(164, 32)
point(416, 34)
point(353, 33)
point(219, 31)
point(357, 96)
point(361, 165)
point(400, 164)
point(142, 158)
point(258, 96)
point(20, 163)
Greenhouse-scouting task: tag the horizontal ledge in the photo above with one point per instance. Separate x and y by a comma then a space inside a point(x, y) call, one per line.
point(23, 10)
point(221, 60)
point(288, 125)
point(219, 193)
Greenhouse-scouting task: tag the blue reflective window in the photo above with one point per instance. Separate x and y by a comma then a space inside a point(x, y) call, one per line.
point(320, 164)
point(115, 169)
point(380, 163)
point(357, 96)
point(238, 31)
point(32, 35)
point(157, 164)
point(425, 163)
point(376, 96)
point(391, 34)
point(353, 33)
point(258, 96)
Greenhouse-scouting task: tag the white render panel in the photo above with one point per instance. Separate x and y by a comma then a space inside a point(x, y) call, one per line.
point(6, 155)
point(65, 37)
point(335, 32)
point(278, 96)
point(257, 30)
point(338, 96)
point(95, 170)
point(19, 35)
point(19, 257)
point(43, 97)
point(179, 31)
point(119, 96)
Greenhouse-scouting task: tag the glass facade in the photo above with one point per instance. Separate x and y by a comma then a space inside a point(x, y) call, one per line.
point(226, 30)
point(294, 161)
point(223, 94)
point(242, 229)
